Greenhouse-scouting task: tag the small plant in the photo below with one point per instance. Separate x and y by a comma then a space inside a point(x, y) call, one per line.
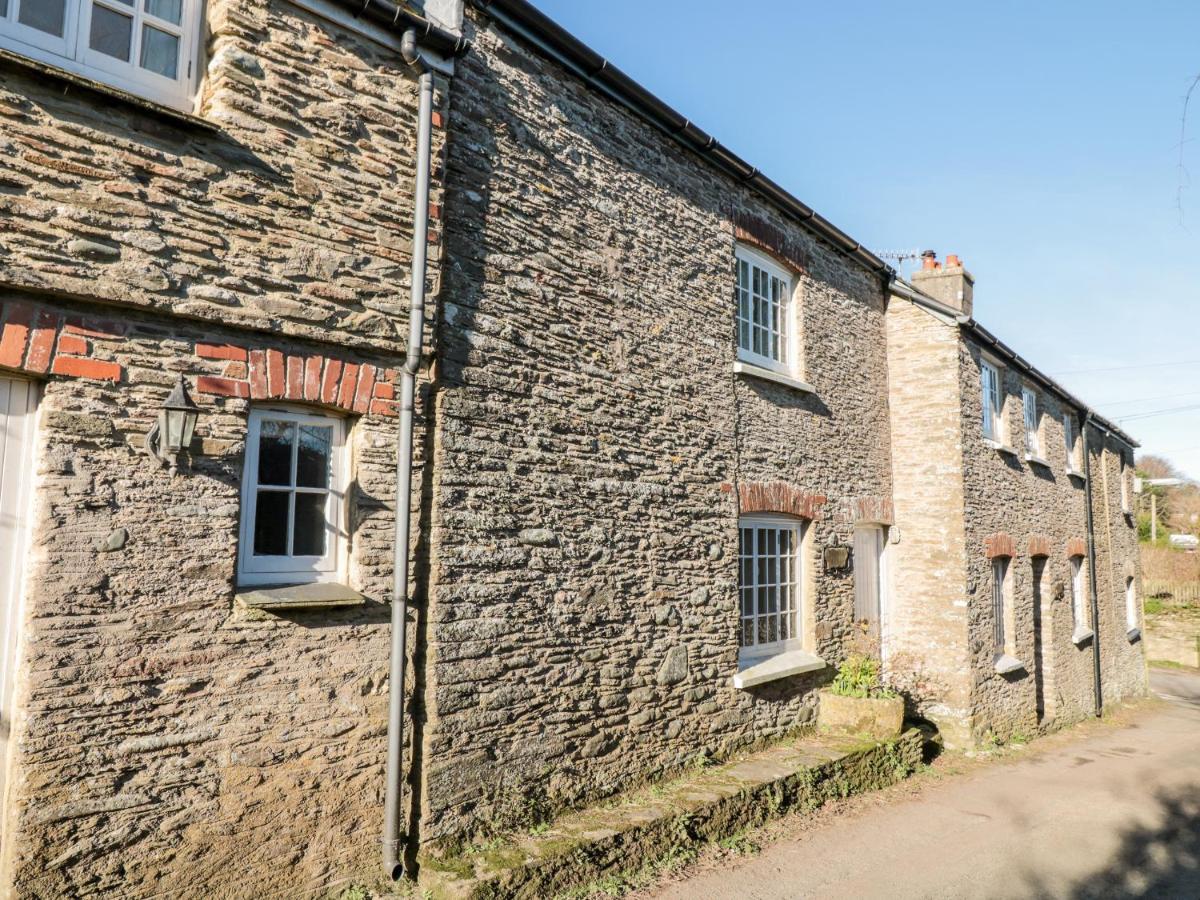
point(859, 677)
point(1153, 606)
point(740, 844)
point(355, 892)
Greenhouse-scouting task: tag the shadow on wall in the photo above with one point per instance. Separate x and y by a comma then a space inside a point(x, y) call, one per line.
point(1157, 860)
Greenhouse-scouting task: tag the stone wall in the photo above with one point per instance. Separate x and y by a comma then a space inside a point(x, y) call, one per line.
point(593, 444)
point(165, 728)
point(1122, 659)
point(171, 742)
point(960, 502)
point(1040, 510)
point(287, 207)
point(925, 640)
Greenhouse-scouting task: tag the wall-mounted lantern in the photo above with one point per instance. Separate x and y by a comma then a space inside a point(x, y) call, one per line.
point(176, 424)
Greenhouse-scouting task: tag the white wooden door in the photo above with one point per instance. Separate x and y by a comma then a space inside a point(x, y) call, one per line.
point(18, 403)
point(869, 577)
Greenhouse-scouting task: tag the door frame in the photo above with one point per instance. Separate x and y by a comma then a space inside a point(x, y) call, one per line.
point(12, 594)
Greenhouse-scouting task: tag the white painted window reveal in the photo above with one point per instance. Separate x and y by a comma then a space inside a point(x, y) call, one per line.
point(145, 47)
point(1033, 444)
point(1131, 614)
point(293, 498)
point(989, 377)
point(765, 318)
point(1078, 614)
point(1069, 440)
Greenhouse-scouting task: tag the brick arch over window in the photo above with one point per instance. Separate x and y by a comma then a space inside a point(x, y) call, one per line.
point(755, 232)
point(42, 341)
point(777, 497)
point(1039, 545)
point(999, 544)
point(1076, 547)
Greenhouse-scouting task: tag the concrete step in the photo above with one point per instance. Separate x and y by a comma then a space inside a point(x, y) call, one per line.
point(645, 827)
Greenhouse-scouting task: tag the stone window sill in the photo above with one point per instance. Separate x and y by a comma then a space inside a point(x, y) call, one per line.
point(1134, 635)
point(1082, 636)
point(1001, 448)
point(1036, 460)
point(1007, 665)
point(1076, 473)
point(791, 662)
point(745, 368)
point(9, 58)
point(322, 595)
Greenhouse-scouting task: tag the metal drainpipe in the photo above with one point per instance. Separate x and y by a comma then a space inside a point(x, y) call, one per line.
point(1092, 576)
point(393, 811)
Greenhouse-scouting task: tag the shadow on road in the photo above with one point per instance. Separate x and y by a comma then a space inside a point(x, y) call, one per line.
point(1160, 860)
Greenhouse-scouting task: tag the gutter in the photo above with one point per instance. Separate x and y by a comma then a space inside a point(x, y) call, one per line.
point(908, 292)
point(397, 17)
point(1092, 575)
point(393, 816)
point(553, 41)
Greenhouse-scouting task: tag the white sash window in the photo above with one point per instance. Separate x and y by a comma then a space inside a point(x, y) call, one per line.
point(146, 47)
point(770, 584)
point(989, 377)
point(1033, 444)
point(765, 319)
point(293, 498)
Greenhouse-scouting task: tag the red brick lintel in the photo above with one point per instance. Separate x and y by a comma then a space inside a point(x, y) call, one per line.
point(41, 341)
point(999, 544)
point(1039, 545)
point(778, 497)
point(759, 233)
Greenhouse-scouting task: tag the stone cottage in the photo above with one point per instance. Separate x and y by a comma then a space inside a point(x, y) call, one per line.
point(270, 264)
point(996, 625)
point(222, 192)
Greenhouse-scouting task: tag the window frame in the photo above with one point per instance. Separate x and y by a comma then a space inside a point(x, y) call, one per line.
point(328, 568)
point(1079, 616)
point(1031, 416)
point(993, 404)
point(757, 652)
point(73, 53)
point(1001, 603)
point(1070, 443)
point(1123, 474)
point(791, 363)
point(1131, 611)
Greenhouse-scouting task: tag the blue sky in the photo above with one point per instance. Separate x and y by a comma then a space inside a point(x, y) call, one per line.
point(1039, 141)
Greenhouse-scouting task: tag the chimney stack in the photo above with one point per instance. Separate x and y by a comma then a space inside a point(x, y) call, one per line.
point(950, 283)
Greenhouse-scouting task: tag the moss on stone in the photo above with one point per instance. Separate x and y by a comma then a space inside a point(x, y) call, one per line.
point(619, 843)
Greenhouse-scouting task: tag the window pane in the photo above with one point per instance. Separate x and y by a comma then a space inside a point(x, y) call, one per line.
point(112, 33)
point(275, 452)
point(160, 52)
point(309, 536)
point(314, 455)
point(271, 523)
point(3, 7)
point(49, 16)
point(165, 9)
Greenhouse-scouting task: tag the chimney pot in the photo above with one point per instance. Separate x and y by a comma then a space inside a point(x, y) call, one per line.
point(952, 285)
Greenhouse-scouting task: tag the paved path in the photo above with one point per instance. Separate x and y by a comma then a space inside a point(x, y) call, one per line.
point(1114, 815)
